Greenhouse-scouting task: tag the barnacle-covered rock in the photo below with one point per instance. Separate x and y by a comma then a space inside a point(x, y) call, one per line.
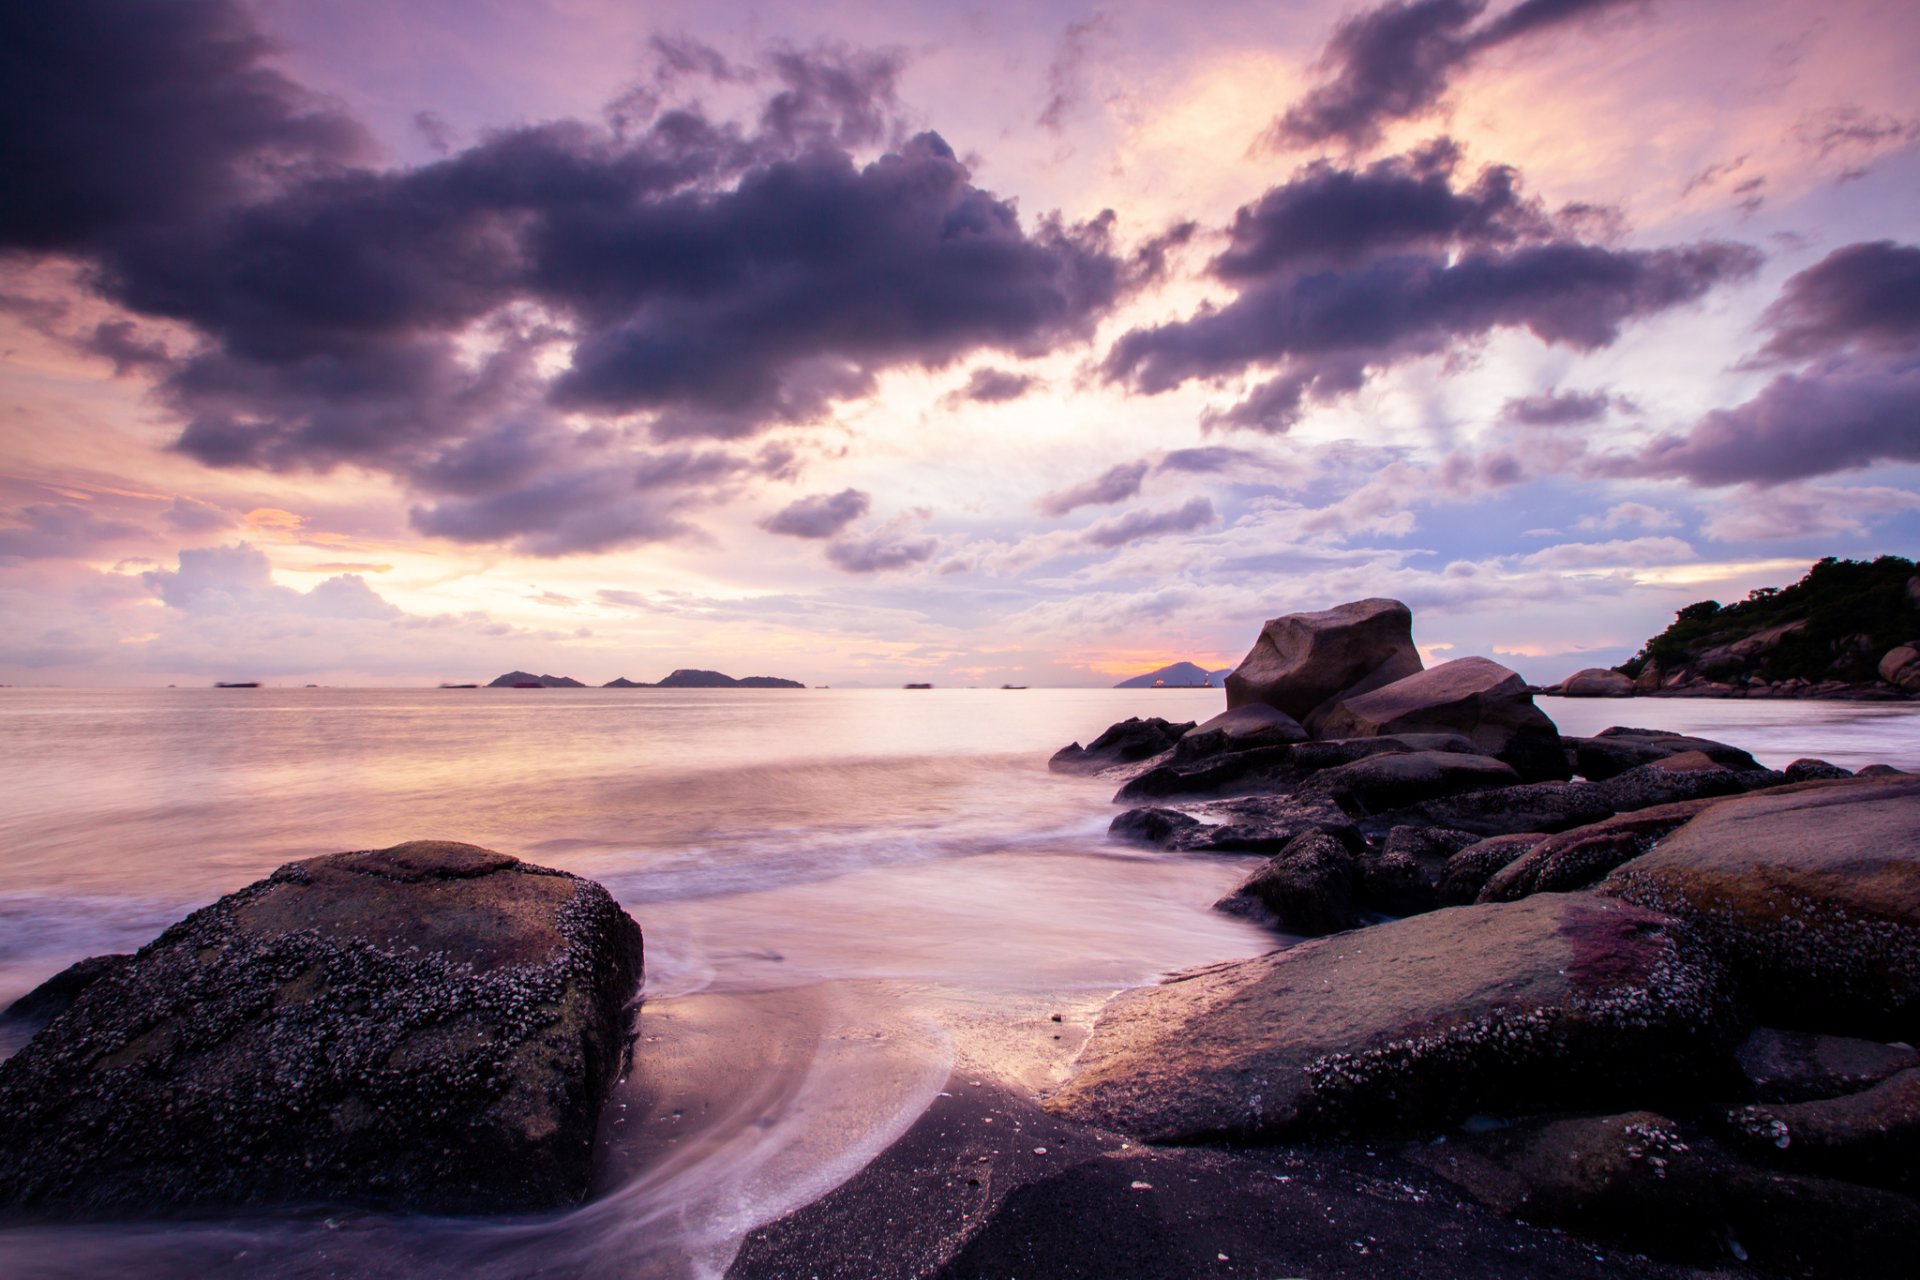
point(431, 1026)
point(1811, 895)
point(1563, 1000)
point(1578, 858)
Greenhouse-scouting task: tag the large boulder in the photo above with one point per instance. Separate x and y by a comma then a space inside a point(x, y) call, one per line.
point(1810, 893)
point(1595, 682)
point(1475, 697)
point(1255, 724)
point(1307, 888)
point(433, 1026)
point(1616, 750)
point(1305, 659)
point(1799, 1066)
point(1563, 1000)
point(1578, 858)
point(1394, 780)
point(1901, 668)
point(1467, 872)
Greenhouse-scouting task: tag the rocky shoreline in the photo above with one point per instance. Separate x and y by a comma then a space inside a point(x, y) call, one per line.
point(1540, 1006)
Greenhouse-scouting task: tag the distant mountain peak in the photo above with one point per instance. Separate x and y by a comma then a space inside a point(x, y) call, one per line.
point(1177, 675)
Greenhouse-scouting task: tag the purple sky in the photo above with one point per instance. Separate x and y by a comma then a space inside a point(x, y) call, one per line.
point(406, 341)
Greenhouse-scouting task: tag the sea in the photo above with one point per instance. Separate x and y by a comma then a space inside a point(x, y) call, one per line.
point(852, 901)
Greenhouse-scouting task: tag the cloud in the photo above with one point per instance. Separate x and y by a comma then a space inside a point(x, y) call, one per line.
point(1396, 62)
point(1856, 315)
point(893, 546)
point(1558, 408)
point(1116, 484)
point(60, 530)
point(1805, 511)
point(238, 579)
point(1617, 554)
point(190, 515)
point(820, 515)
point(1196, 513)
point(1208, 459)
point(1623, 514)
point(1864, 296)
point(1322, 314)
point(1064, 89)
point(993, 386)
point(505, 328)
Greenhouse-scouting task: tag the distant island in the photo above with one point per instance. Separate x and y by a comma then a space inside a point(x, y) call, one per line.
point(684, 678)
point(1179, 675)
point(1848, 629)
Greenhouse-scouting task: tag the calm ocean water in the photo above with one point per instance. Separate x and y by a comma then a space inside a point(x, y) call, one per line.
point(847, 897)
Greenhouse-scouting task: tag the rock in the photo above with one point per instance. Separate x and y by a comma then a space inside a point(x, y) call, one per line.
point(1688, 776)
point(1154, 826)
point(1872, 1136)
point(1029, 1195)
point(1394, 780)
point(1807, 769)
point(1395, 884)
point(1265, 824)
point(1616, 750)
point(1881, 771)
point(1130, 740)
point(1798, 1066)
point(1429, 847)
point(1474, 697)
point(1468, 871)
point(1255, 724)
point(1809, 893)
point(1302, 660)
point(1632, 1180)
point(1817, 1227)
point(1563, 1000)
point(1901, 668)
point(1595, 682)
point(1499, 811)
point(432, 1027)
point(1578, 859)
point(52, 998)
point(1307, 888)
point(1233, 772)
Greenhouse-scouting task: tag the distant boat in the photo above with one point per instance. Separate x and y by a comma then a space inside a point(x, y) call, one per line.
point(919, 686)
point(1013, 686)
point(236, 684)
point(450, 685)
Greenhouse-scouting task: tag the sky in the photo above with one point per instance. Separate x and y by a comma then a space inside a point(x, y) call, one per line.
point(395, 342)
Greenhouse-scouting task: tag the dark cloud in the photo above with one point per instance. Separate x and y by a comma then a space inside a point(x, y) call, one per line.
point(1340, 273)
point(1855, 315)
point(1837, 416)
point(62, 530)
point(1116, 484)
point(120, 342)
point(696, 279)
point(1196, 513)
point(994, 386)
point(1864, 296)
point(1558, 408)
point(820, 515)
point(1395, 62)
point(1850, 131)
point(890, 548)
point(1329, 216)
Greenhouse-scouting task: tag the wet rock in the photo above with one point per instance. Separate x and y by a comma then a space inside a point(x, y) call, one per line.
point(1809, 893)
point(1595, 682)
point(51, 998)
point(1616, 750)
point(1689, 775)
point(1225, 774)
point(1307, 888)
point(1154, 826)
point(1394, 883)
point(1431, 847)
point(1395, 780)
point(1807, 769)
point(1799, 1066)
point(1302, 660)
point(1468, 871)
point(431, 1026)
point(1563, 1000)
point(1577, 859)
point(1264, 824)
point(1474, 697)
point(1872, 1136)
point(959, 1198)
point(1123, 743)
point(1633, 1180)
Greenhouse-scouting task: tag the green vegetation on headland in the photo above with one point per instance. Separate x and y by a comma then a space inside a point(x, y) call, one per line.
point(1838, 623)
